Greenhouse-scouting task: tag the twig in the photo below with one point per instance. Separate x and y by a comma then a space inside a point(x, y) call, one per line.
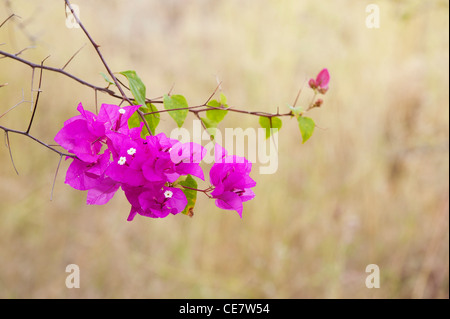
point(16, 105)
point(48, 68)
point(54, 179)
point(36, 140)
point(204, 191)
point(37, 97)
point(73, 56)
point(214, 93)
point(10, 152)
point(24, 49)
point(96, 47)
point(11, 16)
point(298, 94)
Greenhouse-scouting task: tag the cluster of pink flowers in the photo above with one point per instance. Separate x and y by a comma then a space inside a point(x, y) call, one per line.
point(110, 155)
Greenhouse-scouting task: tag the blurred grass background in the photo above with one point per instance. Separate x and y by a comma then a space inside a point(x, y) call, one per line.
point(370, 187)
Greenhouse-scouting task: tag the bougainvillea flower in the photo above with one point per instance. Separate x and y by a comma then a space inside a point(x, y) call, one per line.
point(82, 135)
point(155, 201)
point(115, 118)
point(84, 175)
point(321, 82)
point(102, 192)
point(230, 177)
point(91, 177)
point(186, 158)
point(172, 159)
point(128, 156)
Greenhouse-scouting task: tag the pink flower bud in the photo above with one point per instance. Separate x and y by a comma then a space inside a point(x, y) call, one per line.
point(318, 103)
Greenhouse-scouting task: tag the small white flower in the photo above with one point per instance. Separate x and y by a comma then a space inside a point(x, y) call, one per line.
point(122, 111)
point(131, 151)
point(168, 194)
point(122, 160)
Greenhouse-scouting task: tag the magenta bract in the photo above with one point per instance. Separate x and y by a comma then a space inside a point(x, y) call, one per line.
point(230, 176)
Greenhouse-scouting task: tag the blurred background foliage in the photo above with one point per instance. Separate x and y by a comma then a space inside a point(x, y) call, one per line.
point(370, 187)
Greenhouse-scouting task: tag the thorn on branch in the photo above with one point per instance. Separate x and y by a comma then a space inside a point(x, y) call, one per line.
point(73, 56)
point(24, 49)
point(8, 145)
point(171, 89)
point(11, 16)
point(37, 96)
point(56, 174)
point(214, 93)
point(298, 94)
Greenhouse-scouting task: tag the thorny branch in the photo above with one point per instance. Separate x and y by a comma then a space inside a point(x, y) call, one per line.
point(96, 47)
point(195, 110)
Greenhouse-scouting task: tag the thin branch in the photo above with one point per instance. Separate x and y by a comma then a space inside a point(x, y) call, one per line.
point(125, 86)
point(194, 109)
point(16, 105)
point(171, 89)
point(73, 56)
point(11, 16)
point(214, 93)
point(96, 47)
point(37, 97)
point(48, 68)
point(36, 140)
point(32, 87)
point(8, 144)
point(298, 94)
point(204, 191)
point(54, 179)
point(24, 49)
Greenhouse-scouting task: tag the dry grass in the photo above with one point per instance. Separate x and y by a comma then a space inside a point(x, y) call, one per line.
point(371, 188)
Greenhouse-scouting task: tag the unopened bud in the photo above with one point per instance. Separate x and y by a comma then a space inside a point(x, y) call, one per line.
point(318, 103)
point(312, 84)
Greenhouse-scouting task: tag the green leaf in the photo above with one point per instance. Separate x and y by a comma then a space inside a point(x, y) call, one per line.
point(191, 195)
point(306, 126)
point(137, 87)
point(176, 102)
point(216, 115)
point(269, 124)
point(106, 78)
point(210, 125)
point(134, 120)
point(223, 99)
point(152, 119)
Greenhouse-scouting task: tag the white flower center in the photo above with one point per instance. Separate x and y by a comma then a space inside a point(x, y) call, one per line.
point(122, 111)
point(168, 194)
point(122, 160)
point(131, 151)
